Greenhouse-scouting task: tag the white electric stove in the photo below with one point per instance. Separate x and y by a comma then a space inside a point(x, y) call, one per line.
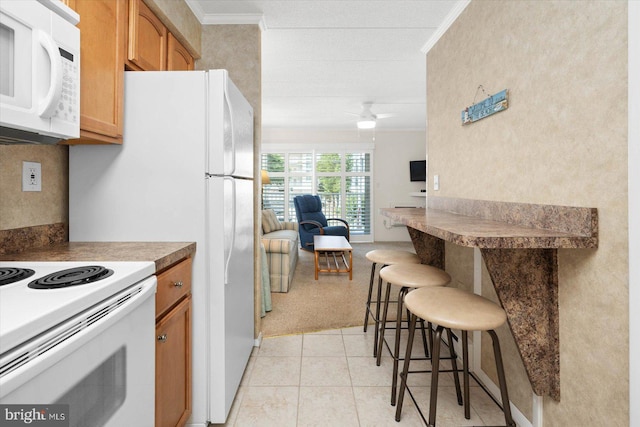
point(26, 312)
point(68, 326)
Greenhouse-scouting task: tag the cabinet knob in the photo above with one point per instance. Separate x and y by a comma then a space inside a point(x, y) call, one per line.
point(178, 284)
point(162, 338)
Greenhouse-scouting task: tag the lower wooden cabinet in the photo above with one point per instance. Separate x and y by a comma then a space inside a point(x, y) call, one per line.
point(173, 346)
point(173, 366)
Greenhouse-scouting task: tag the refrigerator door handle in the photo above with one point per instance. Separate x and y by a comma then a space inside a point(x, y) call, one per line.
point(232, 240)
point(228, 112)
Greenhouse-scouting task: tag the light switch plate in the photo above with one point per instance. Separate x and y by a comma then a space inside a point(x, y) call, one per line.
point(436, 182)
point(31, 176)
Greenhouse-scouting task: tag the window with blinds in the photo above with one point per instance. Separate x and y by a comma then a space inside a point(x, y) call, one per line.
point(341, 179)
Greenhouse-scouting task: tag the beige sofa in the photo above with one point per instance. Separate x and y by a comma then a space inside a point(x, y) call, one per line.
point(281, 242)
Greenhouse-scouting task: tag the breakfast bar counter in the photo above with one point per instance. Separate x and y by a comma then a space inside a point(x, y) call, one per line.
point(519, 244)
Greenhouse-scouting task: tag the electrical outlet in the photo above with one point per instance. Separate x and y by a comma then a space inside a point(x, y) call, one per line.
point(31, 176)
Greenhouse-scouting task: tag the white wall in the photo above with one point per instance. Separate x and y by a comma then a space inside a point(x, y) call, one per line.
point(392, 153)
point(394, 150)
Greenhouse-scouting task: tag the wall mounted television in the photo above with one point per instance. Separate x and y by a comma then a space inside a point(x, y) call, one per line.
point(418, 170)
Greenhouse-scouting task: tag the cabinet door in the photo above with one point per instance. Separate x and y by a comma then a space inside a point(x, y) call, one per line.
point(147, 38)
point(102, 55)
point(178, 58)
point(173, 366)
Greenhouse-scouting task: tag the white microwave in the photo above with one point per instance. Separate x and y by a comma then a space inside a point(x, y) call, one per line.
point(39, 72)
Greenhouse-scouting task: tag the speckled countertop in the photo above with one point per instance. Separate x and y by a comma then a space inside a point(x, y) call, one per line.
point(164, 254)
point(482, 224)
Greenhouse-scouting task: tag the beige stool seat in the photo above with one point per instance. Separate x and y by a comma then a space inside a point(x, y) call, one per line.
point(382, 257)
point(463, 310)
point(415, 275)
point(392, 256)
point(454, 309)
point(408, 277)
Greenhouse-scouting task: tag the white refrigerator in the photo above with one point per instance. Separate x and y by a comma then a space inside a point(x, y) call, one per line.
point(183, 173)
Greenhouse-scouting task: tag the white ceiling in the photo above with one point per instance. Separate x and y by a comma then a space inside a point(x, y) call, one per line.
point(321, 59)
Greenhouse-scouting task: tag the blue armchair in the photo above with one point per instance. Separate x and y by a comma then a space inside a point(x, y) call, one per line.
point(312, 221)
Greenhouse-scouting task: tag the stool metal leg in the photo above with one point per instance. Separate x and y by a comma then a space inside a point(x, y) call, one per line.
point(424, 333)
point(405, 368)
point(435, 368)
point(426, 344)
point(376, 336)
point(465, 374)
point(396, 351)
point(368, 307)
point(383, 323)
point(430, 326)
point(506, 408)
point(454, 366)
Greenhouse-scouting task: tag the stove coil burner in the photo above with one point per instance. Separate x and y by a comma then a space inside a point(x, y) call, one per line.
point(71, 277)
point(13, 274)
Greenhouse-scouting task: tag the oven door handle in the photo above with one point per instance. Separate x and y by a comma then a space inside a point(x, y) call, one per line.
point(24, 362)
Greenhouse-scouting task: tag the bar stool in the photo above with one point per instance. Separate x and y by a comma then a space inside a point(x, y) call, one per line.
point(383, 257)
point(408, 277)
point(456, 309)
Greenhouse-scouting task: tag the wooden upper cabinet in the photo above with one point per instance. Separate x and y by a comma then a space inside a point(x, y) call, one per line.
point(105, 50)
point(102, 55)
point(178, 57)
point(147, 45)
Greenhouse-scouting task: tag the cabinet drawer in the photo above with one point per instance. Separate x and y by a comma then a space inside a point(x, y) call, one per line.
point(173, 284)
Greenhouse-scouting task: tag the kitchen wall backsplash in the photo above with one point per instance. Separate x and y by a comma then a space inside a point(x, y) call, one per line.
point(22, 239)
point(32, 219)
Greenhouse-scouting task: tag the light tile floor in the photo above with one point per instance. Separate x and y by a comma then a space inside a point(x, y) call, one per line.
point(330, 378)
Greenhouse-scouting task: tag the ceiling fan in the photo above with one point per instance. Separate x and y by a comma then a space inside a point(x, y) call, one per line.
point(366, 118)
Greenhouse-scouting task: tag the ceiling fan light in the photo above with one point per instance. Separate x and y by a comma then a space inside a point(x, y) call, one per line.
point(366, 124)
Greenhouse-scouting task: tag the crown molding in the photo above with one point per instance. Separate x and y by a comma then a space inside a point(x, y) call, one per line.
point(448, 21)
point(226, 18)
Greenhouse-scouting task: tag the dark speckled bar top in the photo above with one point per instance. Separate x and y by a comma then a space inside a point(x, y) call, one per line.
point(164, 254)
point(486, 224)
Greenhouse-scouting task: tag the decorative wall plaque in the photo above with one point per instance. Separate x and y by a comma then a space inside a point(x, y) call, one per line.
point(491, 105)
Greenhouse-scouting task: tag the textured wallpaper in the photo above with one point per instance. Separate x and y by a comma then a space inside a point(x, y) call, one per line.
point(563, 141)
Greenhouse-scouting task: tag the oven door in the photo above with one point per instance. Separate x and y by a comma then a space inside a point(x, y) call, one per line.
point(100, 363)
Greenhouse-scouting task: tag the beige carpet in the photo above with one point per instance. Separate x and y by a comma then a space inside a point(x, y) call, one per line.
point(331, 302)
